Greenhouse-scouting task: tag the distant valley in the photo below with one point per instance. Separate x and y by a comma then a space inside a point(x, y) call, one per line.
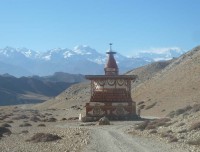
point(34, 89)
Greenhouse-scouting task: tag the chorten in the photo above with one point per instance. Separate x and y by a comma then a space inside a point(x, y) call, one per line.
point(111, 93)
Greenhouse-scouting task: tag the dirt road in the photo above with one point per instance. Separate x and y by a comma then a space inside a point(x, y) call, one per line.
point(113, 139)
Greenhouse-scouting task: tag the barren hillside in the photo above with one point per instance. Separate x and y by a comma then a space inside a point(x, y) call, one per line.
point(146, 72)
point(72, 100)
point(174, 87)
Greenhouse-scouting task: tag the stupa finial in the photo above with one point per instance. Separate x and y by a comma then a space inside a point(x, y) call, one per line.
point(110, 46)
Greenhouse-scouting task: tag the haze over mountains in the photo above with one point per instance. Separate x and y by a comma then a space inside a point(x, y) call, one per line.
point(80, 60)
point(34, 89)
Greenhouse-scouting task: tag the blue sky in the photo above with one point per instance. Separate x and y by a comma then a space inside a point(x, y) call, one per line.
point(131, 25)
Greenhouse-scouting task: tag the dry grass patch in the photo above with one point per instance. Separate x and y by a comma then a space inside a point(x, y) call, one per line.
point(44, 137)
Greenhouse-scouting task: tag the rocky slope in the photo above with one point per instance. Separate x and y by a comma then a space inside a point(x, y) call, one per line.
point(176, 86)
point(146, 72)
point(72, 99)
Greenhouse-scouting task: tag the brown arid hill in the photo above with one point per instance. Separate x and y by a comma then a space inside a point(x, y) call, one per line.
point(25, 90)
point(28, 90)
point(146, 72)
point(72, 100)
point(174, 87)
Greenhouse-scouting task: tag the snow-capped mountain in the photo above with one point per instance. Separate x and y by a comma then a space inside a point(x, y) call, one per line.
point(80, 60)
point(159, 54)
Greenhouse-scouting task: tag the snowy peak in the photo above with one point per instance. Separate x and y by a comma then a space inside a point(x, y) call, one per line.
point(81, 59)
point(159, 54)
point(18, 52)
point(57, 53)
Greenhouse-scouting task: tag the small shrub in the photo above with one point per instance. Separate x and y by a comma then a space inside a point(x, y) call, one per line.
point(171, 114)
point(103, 121)
point(73, 118)
point(163, 110)
point(35, 119)
point(173, 139)
point(168, 124)
point(20, 117)
point(64, 119)
point(195, 126)
point(196, 108)
point(5, 125)
point(151, 106)
point(153, 131)
point(44, 137)
point(10, 121)
point(48, 114)
point(41, 125)
point(161, 122)
point(25, 125)
point(194, 142)
point(179, 111)
point(141, 107)
point(141, 102)
point(150, 126)
point(4, 130)
point(3, 117)
point(182, 131)
point(187, 108)
point(164, 134)
point(141, 126)
point(51, 119)
point(182, 137)
point(181, 124)
point(169, 131)
point(24, 131)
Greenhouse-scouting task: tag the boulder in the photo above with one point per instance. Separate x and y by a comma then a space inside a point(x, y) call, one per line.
point(104, 121)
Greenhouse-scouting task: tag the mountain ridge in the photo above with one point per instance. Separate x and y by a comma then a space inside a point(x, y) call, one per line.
point(34, 89)
point(80, 60)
